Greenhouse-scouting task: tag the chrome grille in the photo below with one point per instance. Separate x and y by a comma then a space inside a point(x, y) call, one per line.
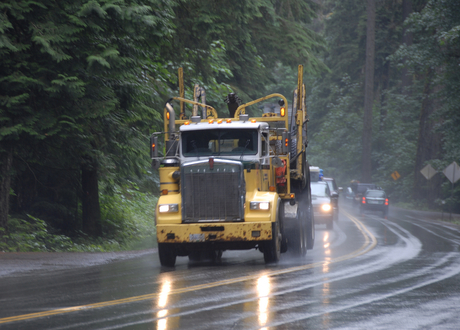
point(212, 195)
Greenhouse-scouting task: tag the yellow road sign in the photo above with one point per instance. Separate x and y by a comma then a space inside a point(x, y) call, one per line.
point(395, 175)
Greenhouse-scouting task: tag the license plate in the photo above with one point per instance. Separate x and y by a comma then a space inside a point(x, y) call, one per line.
point(196, 237)
point(374, 202)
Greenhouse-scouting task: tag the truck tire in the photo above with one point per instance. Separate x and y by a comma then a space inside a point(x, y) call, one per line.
point(167, 254)
point(284, 239)
point(303, 223)
point(205, 255)
point(272, 248)
point(310, 229)
point(297, 242)
point(194, 255)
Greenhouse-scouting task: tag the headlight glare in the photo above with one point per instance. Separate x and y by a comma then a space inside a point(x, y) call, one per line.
point(326, 207)
point(167, 208)
point(264, 206)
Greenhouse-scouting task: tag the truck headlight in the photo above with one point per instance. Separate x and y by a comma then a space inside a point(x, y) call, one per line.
point(326, 207)
point(259, 206)
point(167, 208)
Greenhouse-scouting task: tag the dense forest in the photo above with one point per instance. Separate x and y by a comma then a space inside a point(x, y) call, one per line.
point(83, 84)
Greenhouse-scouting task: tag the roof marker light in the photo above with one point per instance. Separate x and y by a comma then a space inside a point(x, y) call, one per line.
point(253, 121)
point(219, 121)
point(229, 121)
point(211, 121)
point(187, 123)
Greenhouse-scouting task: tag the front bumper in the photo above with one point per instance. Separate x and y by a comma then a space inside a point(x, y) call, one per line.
point(214, 232)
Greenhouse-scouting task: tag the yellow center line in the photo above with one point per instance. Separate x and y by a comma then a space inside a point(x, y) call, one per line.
point(369, 243)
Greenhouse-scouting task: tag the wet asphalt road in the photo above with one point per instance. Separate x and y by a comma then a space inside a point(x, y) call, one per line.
point(368, 272)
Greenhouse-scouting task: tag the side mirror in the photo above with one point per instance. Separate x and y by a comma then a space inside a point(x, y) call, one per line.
point(340, 189)
point(334, 195)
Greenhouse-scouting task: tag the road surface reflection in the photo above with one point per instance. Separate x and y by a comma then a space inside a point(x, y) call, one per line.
point(162, 301)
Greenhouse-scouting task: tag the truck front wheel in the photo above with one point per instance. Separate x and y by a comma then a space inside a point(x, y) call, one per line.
point(272, 248)
point(167, 254)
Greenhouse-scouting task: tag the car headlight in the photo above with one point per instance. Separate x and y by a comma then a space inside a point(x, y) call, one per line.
point(167, 208)
point(326, 207)
point(259, 206)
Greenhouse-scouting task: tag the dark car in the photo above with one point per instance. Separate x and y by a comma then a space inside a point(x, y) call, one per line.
point(359, 189)
point(335, 192)
point(323, 207)
point(349, 195)
point(375, 200)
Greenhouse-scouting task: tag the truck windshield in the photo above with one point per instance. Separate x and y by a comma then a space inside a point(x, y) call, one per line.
point(218, 142)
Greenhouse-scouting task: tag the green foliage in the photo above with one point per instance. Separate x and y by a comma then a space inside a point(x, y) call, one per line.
point(336, 100)
point(128, 214)
point(78, 87)
point(252, 38)
point(84, 82)
point(128, 222)
point(32, 235)
point(436, 50)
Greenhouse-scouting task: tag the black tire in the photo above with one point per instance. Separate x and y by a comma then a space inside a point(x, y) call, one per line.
point(297, 242)
point(194, 256)
point(272, 248)
point(284, 239)
point(167, 254)
point(213, 255)
point(205, 255)
point(303, 222)
point(310, 229)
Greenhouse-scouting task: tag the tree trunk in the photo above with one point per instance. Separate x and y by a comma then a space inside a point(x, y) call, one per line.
point(406, 39)
point(91, 212)
point(6, 160)
point(428, 145)
point(368, 93)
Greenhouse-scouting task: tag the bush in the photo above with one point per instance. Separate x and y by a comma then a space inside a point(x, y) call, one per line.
point(127, 223)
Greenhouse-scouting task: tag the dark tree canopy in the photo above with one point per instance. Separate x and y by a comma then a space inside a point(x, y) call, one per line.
point(84, 82)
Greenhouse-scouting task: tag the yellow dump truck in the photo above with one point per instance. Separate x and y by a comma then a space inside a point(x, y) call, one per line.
point(233, 182)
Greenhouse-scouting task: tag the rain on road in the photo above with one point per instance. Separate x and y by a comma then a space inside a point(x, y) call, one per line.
point(368, 272)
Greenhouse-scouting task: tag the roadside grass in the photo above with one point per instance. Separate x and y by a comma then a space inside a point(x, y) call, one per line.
point(127, 219)
point(422, 207)
point(453, 221)
point(414, 206)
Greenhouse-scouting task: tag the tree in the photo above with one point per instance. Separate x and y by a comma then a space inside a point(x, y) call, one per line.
point(336, 98)
point(368, 93)
point(433, 58)
point(80, 81)
point(252, 36)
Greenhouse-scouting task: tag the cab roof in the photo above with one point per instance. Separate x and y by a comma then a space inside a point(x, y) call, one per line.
point(223, 125)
